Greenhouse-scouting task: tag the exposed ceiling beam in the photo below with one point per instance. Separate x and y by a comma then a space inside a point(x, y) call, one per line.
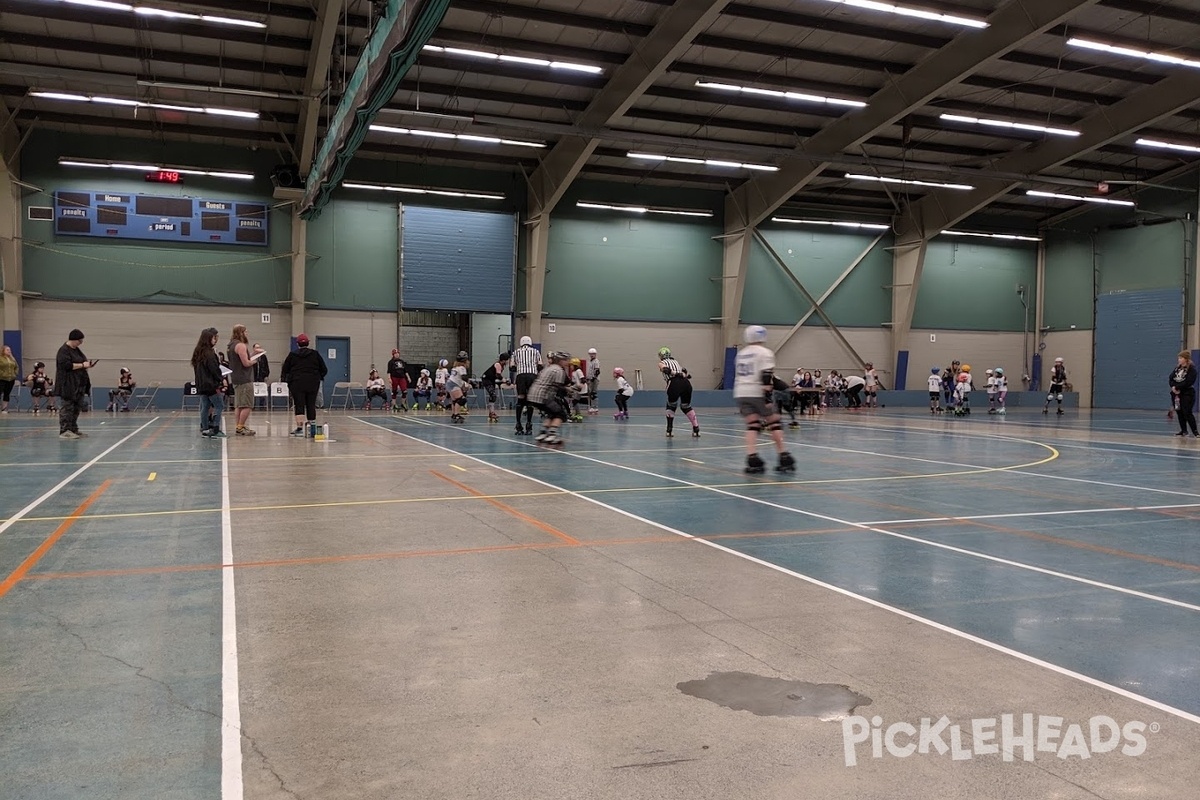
point(1009, 26)
point(672, 35)
point(319, 56)
point(942, 208)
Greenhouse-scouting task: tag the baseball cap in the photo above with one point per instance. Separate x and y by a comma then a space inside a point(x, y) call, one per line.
point(302, 339)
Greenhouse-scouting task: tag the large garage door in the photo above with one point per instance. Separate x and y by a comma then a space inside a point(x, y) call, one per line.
point(1138, 336)
point(453, 260)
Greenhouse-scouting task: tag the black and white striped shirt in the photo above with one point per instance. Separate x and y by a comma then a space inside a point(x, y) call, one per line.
point(670, 368)
point(527, 359)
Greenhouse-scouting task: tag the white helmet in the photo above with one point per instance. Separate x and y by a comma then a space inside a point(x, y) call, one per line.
point(989, 372)
point(591, 351)
point(755, 334)
point(526, 341)
point(443, 363)
point(1058, 361)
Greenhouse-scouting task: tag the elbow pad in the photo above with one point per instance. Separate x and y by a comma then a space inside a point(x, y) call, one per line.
point(768, 378)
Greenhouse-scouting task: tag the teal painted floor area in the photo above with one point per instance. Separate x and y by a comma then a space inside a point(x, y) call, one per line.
point(888, 468)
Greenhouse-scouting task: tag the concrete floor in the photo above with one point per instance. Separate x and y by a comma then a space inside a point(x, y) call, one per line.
point(436, 611)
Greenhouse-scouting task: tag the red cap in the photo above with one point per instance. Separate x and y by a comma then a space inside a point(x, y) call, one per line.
point(302, 339)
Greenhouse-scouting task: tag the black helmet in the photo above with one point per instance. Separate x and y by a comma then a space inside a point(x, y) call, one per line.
point(39, 365)
point(462, 355)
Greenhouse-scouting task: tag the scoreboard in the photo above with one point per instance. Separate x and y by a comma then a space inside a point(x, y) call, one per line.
point(121, 215)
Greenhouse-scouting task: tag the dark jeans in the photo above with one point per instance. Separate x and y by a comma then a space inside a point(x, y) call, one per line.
point(68, 414)
point(1187, 417)
point(305, 403)
point(852, 394)
point(211, 403)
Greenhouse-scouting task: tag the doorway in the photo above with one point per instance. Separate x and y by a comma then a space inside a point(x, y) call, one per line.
point(336, 352)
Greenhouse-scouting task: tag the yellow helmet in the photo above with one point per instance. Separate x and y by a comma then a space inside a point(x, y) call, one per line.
point(966, 367)
point(575, 362)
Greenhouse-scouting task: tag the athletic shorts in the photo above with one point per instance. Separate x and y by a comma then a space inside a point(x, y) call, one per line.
point(755, 406)
point(524, 381)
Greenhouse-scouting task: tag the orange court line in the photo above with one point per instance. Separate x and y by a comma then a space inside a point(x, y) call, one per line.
point(398, 554)
point(150, 439)
point(17, 574)
point(537, 523)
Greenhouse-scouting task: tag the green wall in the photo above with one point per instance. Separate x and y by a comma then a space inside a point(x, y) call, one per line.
point(816, 257)
point(1069, 298)
point(77, 268)
point(612, 265)
point(972, 286)
point(352, 255)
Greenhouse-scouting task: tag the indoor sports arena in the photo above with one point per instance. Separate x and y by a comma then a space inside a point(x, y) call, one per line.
point(646, 399)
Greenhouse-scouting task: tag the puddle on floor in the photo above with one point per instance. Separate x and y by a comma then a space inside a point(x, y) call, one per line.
point(776, 697)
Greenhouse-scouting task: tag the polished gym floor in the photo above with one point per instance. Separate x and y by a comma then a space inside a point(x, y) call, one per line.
point(416, 609)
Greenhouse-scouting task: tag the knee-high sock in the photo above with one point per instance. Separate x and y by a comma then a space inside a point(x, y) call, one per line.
point(691, 415)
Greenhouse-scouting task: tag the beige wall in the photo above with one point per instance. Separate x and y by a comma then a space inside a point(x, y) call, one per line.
point(634, 345)
point(983, 351)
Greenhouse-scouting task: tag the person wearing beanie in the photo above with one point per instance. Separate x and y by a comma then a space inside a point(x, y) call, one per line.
point(72, 384)
point(303, 371)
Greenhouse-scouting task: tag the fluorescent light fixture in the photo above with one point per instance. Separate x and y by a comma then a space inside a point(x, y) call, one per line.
point(1183, 148)
point(1134, 52)
point(122, 101)
point(1080, 198)
point(416, 112)
point(150, 11)
point(1012, 237)
point(708, 162)
point(865, 226)
point(200, 87)
point(919, 13)
point(1003, 123)
point(381, 187)
point(679, 212)
point(883, 179)
point(466, 137)
point(71, 161)
point(536, 62)
point(798, 96)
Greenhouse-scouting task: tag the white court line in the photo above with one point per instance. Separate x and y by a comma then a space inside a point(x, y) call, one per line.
point(1117, 690)
point(231, 709)
point(8, 523)
point(1032, 514)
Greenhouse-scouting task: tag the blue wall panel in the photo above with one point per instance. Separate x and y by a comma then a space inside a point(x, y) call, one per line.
point(453, 260)
point(1138, 336)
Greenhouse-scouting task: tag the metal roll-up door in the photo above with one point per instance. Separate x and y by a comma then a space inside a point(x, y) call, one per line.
point(1138, 336)
point(455, 260)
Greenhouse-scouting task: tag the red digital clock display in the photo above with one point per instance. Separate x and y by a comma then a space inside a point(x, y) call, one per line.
point(164, 176)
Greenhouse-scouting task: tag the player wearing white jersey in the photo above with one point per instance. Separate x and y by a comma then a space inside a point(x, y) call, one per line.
point(753, 383)
point(935, 391)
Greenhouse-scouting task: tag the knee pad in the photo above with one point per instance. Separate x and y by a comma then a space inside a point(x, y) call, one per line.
point(686, 409)
point(1050, 396)
point(775, 425)
point(754, 425)
point(1058, 398)
point(670, 409)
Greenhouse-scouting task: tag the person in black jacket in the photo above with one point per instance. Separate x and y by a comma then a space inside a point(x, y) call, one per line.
point(72, 385)
point(1183, 386)
point(303, 371)
point(262, 370)
point(207, 368)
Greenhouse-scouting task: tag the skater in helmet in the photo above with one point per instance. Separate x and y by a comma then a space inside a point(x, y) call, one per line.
point(679, 391)
point(493, 377)
point(935, 390)
point(752, 388)
point(1001, 384)
point(624, 392)
point(548, 394)
point(1058, 384)
point(593, 380)
point(440, 376)
point(423, 390)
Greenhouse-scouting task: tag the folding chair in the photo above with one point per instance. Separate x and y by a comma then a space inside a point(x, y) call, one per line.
point(279, 393)
point(357, 395)
point(262, 391)
point(341, 394)
point(143, 396)
point(191, 399)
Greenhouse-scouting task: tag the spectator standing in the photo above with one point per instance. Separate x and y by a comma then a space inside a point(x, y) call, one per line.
point(242, 379)
point(1183, 386)
point(262, 369)
point(303, 371)
point(73, 384)
point(207, 379)
point(8, 377)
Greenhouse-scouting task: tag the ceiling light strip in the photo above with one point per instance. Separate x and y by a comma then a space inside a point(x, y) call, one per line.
point(865, 226)
point(1183, 148)
point(708, 162)
point(71, 161)
point(483, 55)
point(908, 182)
point(1012, 237)
point(781, 94)
point(122, 101)
point(1079, 198)
point(918, 13)
point(150, 11)
point(430, 190)
point(466, 137)
point(680, 212)
point(1135, 52)
point(1002, 123)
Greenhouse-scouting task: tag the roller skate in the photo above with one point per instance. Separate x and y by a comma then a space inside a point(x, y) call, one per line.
point(1061, 412)
point(670, 434)
point(1001, 411)
point(755, 465)
point(458, 419)
point(786, 463)
point(695, 431)
point(519, 431)
point(793, 424)
point(1046, 410)
point(493, 416)
point(552, 440)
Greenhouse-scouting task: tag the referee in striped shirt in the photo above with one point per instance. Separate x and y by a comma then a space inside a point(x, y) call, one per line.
point(528, 361)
